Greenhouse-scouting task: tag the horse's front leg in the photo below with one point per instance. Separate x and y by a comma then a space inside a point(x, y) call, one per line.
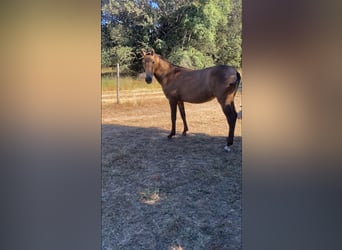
point(173, 108)
point(182, 112)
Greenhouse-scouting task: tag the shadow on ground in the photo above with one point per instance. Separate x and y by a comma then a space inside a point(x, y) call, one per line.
point(159, 193)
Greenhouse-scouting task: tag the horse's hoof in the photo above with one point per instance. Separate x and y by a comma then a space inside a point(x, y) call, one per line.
point(226, 148)
point(184, 133)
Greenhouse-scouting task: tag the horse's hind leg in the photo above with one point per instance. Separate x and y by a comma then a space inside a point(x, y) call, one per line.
point(182, 112)
point(231, 115)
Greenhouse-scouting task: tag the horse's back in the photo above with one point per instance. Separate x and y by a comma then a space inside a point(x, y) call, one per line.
point(199, 86)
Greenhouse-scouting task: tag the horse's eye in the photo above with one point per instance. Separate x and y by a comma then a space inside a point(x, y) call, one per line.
point(152, 62)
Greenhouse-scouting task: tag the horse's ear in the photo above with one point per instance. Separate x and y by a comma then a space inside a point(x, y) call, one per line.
point(143, 52)
point(152, 52)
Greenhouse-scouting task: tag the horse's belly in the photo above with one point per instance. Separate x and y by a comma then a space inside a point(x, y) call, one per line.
point(197, 97)
point(192, 95)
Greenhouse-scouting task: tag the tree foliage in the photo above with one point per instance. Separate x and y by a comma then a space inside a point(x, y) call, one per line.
point(122, 55)
point(193, 34)
point(191, 58)
point(229, 37)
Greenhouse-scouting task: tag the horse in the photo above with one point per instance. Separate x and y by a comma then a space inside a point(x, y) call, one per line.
point(181, 85)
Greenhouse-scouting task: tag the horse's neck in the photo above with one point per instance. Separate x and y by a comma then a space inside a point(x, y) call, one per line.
point(164, 68)
point(164, 72)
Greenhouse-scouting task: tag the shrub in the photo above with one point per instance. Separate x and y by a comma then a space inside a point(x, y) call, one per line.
point(190, 58)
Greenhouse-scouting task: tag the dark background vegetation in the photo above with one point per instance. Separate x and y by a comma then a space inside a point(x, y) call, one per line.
point(194, 34)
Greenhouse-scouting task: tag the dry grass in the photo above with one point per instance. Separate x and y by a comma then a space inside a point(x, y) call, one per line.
point(127, 83)
point(183, 193)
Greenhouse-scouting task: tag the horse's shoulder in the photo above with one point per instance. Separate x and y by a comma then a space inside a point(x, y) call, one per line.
point(177, 70)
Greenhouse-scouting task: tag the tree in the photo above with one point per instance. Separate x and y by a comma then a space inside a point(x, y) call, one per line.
point(193, 25)
point(229, 38)
point(131, 24)
point(190, 58)
point(194, 33)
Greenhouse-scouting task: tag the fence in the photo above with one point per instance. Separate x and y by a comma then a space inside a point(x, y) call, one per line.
point(129, 95)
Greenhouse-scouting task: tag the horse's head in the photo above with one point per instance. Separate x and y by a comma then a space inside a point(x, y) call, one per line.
point(149, 64)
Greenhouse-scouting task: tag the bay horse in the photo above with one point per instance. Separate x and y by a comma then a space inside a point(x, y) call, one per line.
point(181, 85)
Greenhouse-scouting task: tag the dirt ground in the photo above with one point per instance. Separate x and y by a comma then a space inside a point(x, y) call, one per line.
point(183, 193)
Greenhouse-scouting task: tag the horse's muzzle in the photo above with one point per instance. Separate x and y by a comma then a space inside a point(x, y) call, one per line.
point(148, 79)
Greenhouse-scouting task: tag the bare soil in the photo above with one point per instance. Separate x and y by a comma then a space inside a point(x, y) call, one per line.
point(183, 193)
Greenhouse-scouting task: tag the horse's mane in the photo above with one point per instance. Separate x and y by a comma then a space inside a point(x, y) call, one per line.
point(177, 68)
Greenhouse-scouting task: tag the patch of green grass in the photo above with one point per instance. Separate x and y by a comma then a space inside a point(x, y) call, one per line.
point(127, 83)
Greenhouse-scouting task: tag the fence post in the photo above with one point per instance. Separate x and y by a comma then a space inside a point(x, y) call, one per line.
point(117, 83)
